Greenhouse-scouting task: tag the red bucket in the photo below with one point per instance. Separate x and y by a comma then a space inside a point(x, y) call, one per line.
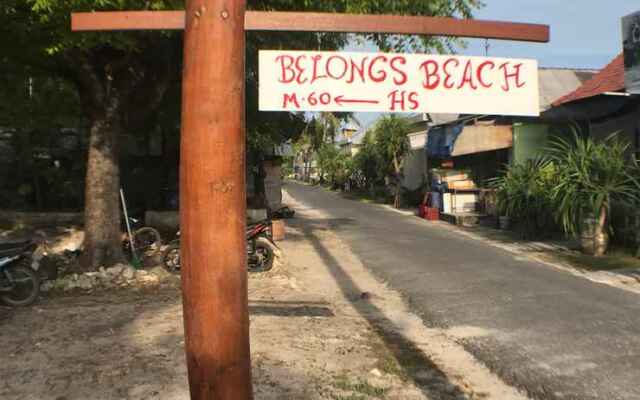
point(431, 214)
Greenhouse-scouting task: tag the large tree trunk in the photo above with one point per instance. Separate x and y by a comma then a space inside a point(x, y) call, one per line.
point(102, 203)
point(117, 88)
point(397, 165)
point(396, 197)
point(259, 199)
point(601, 235)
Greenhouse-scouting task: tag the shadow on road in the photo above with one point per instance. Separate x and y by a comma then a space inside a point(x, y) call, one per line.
point(289, 309)
point(412, 361)
point(319, 225)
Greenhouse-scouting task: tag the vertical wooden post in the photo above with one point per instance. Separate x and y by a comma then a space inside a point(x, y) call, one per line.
point(213, 201)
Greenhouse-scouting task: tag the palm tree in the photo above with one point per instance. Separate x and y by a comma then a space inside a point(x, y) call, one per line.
point(323, 130)
point(392, 145)
point(592, 176)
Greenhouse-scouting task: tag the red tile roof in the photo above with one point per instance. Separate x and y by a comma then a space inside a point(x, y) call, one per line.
point(610, 79)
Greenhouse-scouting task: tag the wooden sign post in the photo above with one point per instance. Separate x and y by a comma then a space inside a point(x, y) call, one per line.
point(212, 162)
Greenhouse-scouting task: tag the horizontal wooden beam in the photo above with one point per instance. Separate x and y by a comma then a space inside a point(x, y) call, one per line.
point(395, 24)
point(127, 20)
point(321, 22)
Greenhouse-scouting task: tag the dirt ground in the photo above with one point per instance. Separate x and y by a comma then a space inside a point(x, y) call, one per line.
point(321, 328)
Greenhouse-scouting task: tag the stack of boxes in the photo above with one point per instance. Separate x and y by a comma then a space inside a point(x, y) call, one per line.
point(456, 189)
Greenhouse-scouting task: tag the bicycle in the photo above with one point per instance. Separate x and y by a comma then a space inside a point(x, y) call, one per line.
point(147, 241)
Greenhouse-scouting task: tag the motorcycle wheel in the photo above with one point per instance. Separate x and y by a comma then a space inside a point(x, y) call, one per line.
point(171, 257)
point(264, 256)
point(27, 286)
point(147, 241)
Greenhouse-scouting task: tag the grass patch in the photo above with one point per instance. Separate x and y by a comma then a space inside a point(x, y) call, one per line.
point(349, 397)
point(385, 360)
point(395, 358)
point(360, 389)
point(617, 258)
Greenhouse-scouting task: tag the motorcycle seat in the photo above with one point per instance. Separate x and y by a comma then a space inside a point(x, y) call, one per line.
point(13, 247)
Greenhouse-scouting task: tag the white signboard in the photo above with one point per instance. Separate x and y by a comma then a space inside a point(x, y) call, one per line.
point(414, 83)
point(631, 45)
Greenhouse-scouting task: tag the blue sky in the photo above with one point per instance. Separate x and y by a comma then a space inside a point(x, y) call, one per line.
point(584, 33)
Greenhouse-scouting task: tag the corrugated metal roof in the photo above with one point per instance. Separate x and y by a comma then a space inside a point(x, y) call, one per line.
point(610, 79)
point(557, 82)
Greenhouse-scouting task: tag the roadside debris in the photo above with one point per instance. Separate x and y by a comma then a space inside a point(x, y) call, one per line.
point(118, 276)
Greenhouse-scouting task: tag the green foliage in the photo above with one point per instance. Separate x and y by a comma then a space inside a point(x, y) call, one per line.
point(391, 143)
point(367, 164)
point(31, 101)
point(43, 172)
point(591, 177)
point(317, 140)
point(287, 166)
point(323, 130)
point(55, 16)
point(380, 156)
point(524, 194)
point(579, 179)
point(392, 146)
point(336, 165)
point(36, 33)
point(326, 157)
point(77, 75)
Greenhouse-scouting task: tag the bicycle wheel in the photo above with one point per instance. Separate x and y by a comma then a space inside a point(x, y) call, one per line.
point(171, 257)
point(263, 257)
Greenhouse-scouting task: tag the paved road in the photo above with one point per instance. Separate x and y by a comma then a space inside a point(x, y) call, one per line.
point(553, 334)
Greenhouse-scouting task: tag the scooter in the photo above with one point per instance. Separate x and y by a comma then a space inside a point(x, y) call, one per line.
point(260, 249)
point(19, 283)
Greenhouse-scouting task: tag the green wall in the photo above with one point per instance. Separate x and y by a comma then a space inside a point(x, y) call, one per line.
point(529, 140)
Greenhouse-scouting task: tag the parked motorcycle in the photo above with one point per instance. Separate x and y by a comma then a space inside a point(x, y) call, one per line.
point(260, 249)
point(19, 283)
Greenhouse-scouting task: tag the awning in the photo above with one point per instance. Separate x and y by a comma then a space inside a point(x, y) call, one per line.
point(458, 140)
point(477, 139)
point(441, 140)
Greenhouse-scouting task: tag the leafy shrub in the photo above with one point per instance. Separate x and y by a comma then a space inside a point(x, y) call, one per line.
point(524, 194)
point(368, 169)
point(591, 177)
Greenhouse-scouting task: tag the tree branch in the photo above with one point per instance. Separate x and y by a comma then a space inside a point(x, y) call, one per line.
point(84, 75)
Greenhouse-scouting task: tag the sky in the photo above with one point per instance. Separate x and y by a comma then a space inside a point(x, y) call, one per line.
point(584, 33)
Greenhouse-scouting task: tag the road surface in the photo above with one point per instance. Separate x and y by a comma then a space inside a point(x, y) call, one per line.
point(553, 334)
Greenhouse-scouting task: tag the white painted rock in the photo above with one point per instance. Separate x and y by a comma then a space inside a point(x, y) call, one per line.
point(160, 272)
point(128, 273)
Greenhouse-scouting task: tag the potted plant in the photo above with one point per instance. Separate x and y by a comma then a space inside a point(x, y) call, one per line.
point(592, 176)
